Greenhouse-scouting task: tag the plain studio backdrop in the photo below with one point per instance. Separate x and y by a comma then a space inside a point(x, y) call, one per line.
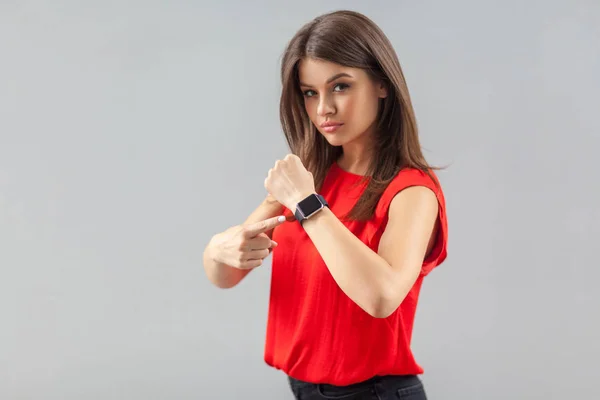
point(131, 132)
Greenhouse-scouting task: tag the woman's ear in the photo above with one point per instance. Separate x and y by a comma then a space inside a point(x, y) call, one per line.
point(382, 90)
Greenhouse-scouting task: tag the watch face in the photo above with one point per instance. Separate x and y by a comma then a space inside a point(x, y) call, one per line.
point(309, 205)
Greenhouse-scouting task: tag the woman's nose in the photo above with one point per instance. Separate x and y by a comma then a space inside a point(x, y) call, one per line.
point(325, 106)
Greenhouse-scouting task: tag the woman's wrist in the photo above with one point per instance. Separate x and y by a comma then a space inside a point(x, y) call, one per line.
point(273, 204)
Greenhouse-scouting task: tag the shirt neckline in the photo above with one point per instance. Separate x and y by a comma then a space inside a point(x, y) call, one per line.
point(339, 172)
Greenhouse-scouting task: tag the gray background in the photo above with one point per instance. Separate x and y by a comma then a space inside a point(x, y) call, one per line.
point(130, 132)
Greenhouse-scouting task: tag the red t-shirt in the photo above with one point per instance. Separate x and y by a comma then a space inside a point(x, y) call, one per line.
point(315, 332)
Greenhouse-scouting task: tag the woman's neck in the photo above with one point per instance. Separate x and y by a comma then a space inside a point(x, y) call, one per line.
point(356, 155)
point(354, 163)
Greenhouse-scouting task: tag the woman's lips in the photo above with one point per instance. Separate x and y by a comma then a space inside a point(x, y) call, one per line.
point(330, 128)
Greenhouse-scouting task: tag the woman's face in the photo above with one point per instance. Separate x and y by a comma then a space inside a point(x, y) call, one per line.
point(341, 102)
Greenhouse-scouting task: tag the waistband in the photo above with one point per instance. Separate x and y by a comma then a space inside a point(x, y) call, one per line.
point(399, 381)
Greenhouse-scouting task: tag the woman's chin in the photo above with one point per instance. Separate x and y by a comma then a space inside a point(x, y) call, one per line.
point(334, 140)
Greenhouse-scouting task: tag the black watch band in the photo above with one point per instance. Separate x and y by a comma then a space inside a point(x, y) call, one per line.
point(310, 206)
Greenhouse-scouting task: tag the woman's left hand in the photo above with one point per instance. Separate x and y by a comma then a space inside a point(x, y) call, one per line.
point(289, 182)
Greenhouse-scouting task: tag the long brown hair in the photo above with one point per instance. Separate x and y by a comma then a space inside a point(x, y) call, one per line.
point(351, 39)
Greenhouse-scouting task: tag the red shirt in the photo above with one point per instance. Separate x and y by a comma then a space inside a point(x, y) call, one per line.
point(315, 332)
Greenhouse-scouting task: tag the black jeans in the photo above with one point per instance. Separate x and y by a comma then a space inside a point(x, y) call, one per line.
point(397, 387)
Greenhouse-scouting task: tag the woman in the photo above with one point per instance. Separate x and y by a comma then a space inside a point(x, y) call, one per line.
point(354, 216)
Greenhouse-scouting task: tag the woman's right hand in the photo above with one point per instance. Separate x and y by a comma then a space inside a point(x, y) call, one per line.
point(245, 246)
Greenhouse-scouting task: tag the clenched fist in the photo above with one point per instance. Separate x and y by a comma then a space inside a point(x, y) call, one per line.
point(289, 182)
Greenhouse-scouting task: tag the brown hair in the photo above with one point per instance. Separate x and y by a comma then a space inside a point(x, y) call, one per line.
point(351, 39)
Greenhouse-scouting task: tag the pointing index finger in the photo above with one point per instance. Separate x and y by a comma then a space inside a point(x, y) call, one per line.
point(264, 226)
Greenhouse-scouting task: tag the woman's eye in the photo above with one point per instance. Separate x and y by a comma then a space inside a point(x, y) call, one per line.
point(340, 86)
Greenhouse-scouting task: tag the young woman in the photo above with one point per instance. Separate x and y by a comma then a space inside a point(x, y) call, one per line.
point(354, 216)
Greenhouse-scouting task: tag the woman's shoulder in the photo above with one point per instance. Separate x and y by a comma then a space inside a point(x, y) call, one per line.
point(411, 176)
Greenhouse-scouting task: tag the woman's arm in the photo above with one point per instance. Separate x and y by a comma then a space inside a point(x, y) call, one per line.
point(379, 281)
point(225, 276)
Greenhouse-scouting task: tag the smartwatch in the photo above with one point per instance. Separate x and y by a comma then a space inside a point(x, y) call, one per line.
point(309, 207)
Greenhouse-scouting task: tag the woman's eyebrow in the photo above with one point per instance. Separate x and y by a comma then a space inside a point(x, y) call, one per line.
point(333, 78)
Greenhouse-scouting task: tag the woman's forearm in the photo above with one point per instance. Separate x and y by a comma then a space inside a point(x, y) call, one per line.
point(223, 275)
point(360, 272)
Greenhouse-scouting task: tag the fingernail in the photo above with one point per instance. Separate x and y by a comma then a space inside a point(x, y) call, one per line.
point(281, 218)
point(274, 243)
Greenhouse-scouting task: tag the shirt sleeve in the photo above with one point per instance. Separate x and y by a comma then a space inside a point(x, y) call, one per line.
point(414, 177)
